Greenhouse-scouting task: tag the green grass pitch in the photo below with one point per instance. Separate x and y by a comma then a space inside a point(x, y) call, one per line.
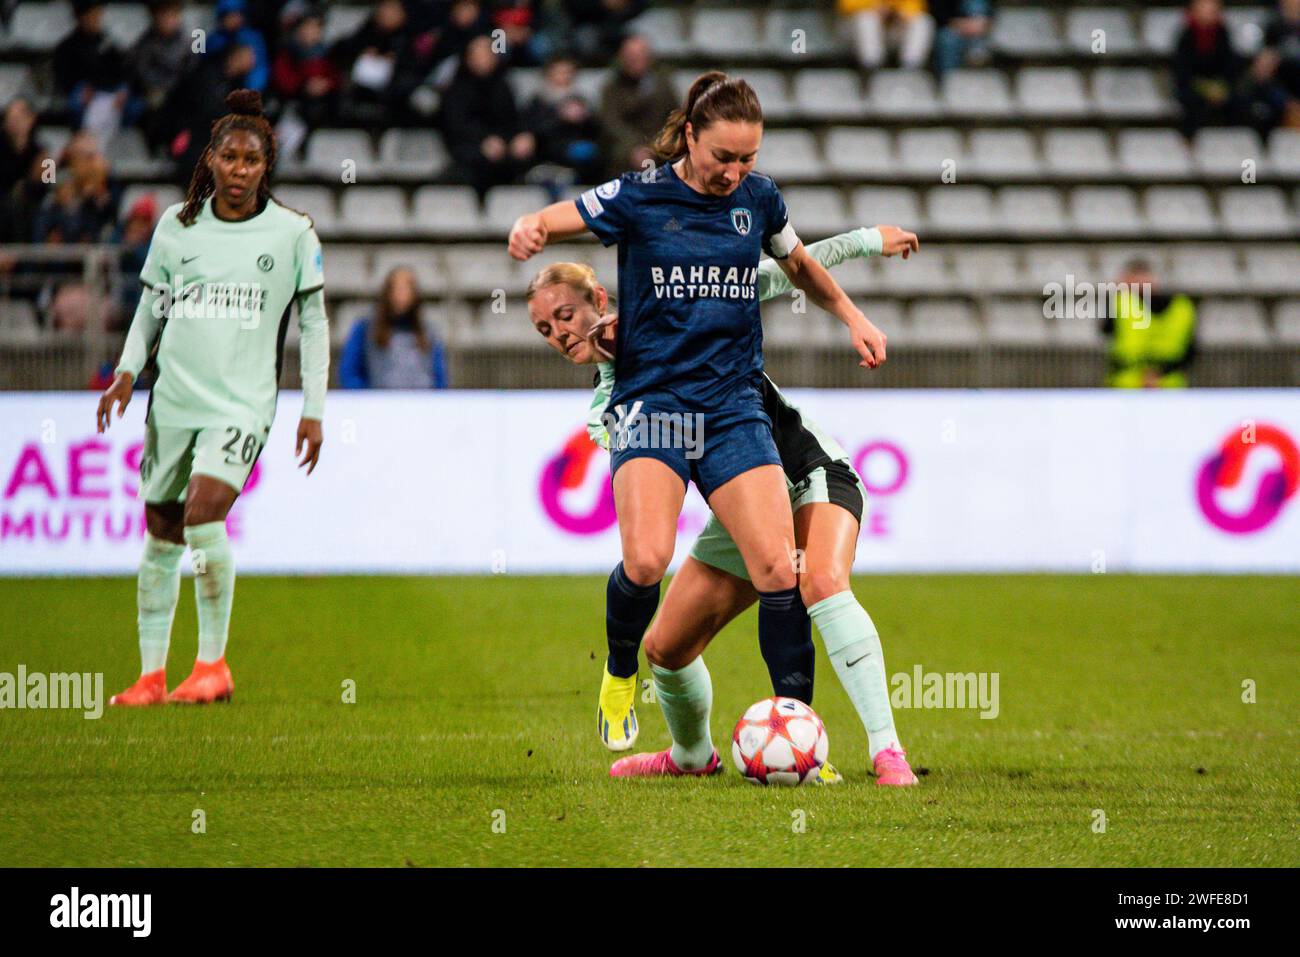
point(475, 707)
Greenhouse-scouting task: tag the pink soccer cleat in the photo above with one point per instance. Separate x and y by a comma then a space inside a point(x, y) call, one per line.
point(651, 764)
point(892, 769)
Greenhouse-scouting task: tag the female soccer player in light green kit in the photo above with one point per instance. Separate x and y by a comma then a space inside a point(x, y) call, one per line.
point(223, 270)
point(568, 307)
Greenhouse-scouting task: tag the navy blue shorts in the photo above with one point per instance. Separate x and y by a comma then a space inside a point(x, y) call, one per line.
point(708, 457)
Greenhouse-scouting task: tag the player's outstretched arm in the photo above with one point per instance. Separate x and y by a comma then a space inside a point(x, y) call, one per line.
point(532, 231)
point(861, 243)
point(812, 277)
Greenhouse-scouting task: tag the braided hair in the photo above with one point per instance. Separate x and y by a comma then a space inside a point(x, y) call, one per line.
point(245, 114)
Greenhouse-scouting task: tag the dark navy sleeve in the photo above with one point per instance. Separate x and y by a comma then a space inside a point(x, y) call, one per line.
point(779, 237)
point(608, 209)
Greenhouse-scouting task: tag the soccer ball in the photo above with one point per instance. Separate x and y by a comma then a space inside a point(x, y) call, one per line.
point(779, 741)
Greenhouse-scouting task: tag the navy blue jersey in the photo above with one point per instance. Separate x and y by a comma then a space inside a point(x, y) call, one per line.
point(689, 335)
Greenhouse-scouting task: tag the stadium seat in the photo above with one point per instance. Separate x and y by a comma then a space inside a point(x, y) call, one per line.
point(1202, 268)
point(316, 201)
point(1179, 211)
point(720, 33)
point(1246, 26)
point(1160, 28)
point(791, 155)
point(1078, 154)
point(1153, 154)
point(1129, 93)
point(1065, 265)
point(446, 212)
point(981, 268)
point(1272, 269)
point(817, 211)
point(887, 314)
point(38, 26)
point(125, 23)
point(411, 154)
point(479, 270)
point(1286, 322)
point(828, 93)
point(941, 322)
point(804, 32)
point(1105, 211)
point(343, 317)
point(859, 276)
point(894, 205)
point(1231, 322)
point(859, 151)
point(1051, 92)
point(589, 83)
point(1255, 211)
point(926, 273)
point(1016, 322)
point(1221, 152)
point(347, 270)
point(505, 204)
point(1031, 210)
point(903, 93)
point(961, 210)
point(377, 212)
point(926, 153)
point(130, 157)
point(813, 327)
point(1284, 152)
point(1026, 32)
point(1003, 154)
point(665, 28)
point(53, 138)
point(511, 328)
point(1112, 258)
point(421, 260)
point(979, 93)
point(1117, 33)
point(1076, 331)
point(18, 321)
point(342, 21)
point(329, 153)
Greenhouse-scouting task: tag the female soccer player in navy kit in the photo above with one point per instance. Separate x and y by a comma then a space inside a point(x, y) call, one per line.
point(689, 360)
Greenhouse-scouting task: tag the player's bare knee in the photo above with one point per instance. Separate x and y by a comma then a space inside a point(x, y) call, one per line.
point(165, 523)
point(646, 565)
point(818, 585)
point(775, 572)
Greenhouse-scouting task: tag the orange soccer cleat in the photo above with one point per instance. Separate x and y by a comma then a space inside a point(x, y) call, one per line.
point(209, 681)
point(148, 689)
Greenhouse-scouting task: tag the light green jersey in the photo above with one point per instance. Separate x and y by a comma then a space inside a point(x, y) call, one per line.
point(772, 282)
point(217, 300)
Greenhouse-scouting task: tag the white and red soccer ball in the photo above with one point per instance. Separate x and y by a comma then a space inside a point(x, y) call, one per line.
point(779, 741)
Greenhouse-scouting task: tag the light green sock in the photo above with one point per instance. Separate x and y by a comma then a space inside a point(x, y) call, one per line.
point(686, 697)
point(853, 646)
point(214, 585)
point(158, 586)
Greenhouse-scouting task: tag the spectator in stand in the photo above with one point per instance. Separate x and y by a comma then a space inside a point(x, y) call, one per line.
point(1277, 66)
point(481, 123)
point(83, 206)
point(463, 21)
point(18, 144)
point(1152, 332)
point(874, 21)
point(199, 99)
point(233, 30)
point(159, 59)
point(392, 349)
point(516, 19)
point(384, 63)
point(304, 73)
point(961, 33)
point(634, 104)
point(91, 73)
point(562, 120)
point(1207, 70)
point(595, 28)
point(21, 202)
point(133, 235)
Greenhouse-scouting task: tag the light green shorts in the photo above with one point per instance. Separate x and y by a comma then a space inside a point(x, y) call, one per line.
point(172, 455)
point(836, 483)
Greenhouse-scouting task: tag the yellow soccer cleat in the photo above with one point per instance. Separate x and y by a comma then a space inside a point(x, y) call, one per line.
point(828, 775)
point(616, 712)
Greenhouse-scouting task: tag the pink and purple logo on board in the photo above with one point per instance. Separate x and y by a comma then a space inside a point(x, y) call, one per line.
point(1224, 470)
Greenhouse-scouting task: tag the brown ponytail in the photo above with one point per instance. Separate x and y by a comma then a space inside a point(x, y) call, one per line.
point(713, 96)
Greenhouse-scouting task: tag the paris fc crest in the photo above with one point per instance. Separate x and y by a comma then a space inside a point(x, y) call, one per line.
point(742, 219)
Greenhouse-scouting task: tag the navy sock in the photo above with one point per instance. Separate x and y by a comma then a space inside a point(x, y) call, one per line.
point(785, 639)
point(628, 610)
